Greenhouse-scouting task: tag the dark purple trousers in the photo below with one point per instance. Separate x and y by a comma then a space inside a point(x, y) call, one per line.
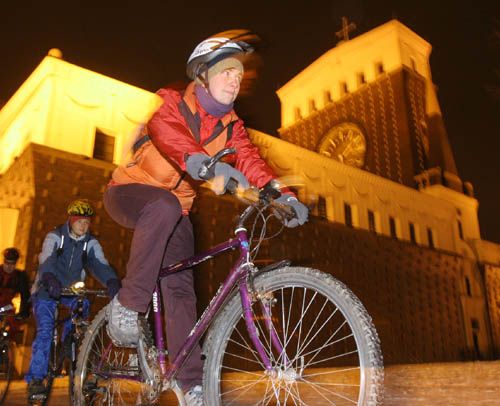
point(162, 236)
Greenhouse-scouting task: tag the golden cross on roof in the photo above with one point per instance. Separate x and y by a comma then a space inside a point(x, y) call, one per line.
point(347, 27)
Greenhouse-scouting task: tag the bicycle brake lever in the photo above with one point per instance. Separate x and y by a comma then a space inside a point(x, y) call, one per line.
point(207, 170)
point(283, 212)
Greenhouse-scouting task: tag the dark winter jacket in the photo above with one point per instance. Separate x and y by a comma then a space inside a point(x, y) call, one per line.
point(68, 259)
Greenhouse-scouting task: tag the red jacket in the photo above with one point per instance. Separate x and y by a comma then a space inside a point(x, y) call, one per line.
point(160, 161)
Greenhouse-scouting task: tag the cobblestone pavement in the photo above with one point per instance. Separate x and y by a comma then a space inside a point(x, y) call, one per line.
point(447, 384)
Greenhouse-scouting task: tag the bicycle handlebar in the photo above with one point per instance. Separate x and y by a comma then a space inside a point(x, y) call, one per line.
point(255, 196)
point(6, 308)
point(258, 201)
point(83, 292)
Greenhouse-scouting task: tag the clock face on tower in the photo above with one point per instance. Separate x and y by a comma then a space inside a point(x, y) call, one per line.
point(345, 143)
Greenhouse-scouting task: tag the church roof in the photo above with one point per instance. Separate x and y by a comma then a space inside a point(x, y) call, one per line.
point(62, 105)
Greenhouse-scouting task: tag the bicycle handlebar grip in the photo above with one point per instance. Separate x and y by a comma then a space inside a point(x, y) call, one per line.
point(284, 212)
point(207, 170)
point(232, 186)
point(6, 308)
point(83, 292)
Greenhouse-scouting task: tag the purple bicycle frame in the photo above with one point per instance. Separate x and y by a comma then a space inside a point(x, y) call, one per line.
point(238, 274)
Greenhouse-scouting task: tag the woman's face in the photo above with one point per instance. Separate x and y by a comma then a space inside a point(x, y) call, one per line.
point(225, 86)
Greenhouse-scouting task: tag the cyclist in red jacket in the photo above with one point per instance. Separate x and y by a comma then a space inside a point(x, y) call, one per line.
point(153, 193)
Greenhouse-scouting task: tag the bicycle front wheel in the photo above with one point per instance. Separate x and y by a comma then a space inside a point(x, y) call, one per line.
point(70, 348)
point(106, 374)
point(5, 368)
point(320, 339)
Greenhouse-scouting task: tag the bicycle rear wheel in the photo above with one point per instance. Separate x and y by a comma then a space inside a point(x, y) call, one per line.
point(5, 368)
point(325, 349)
point(106, 374)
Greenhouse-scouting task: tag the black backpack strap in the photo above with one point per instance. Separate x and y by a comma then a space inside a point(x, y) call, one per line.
point(140, 142)
point(218, 130)
point(193, 120)
point(230, 130)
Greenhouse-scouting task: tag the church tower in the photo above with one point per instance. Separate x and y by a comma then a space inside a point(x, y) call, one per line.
point(370, 103)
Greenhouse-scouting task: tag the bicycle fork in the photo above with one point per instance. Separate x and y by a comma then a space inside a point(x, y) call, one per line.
point(265, 303)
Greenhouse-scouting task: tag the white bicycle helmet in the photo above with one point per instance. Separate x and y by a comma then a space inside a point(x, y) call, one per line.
point(212, 50)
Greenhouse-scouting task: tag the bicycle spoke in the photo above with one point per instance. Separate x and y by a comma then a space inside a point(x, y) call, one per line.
point(319, 388)
point(312, 327)
point(328, 344)
point(247, 347)
point(109, 375)
point(242, 390)
point(345, 354)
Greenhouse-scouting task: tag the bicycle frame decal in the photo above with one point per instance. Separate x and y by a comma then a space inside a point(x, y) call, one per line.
point(159, 338)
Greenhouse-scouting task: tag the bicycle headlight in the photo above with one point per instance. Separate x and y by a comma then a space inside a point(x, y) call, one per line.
point(77, 286)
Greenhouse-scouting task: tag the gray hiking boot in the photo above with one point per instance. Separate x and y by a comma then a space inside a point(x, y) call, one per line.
point(194, 396)
point(123, 326)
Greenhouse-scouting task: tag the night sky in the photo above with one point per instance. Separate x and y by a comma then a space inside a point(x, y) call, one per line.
point(146, 43)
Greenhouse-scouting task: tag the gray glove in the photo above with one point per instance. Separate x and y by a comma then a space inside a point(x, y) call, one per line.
point(52, 285)
point(300, 210)
point(221, 171)
point(194, 163)
point(224, 174)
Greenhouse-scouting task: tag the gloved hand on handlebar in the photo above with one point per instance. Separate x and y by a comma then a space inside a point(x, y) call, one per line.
point(300, 210)
point(52, 285)
point(275, 190)
point(112, 287)
point(222, 172)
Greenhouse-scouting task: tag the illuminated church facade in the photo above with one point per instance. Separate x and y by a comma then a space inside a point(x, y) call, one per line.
point(361, 126)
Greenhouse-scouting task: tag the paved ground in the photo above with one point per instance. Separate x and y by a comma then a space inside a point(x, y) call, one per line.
point(461, 384)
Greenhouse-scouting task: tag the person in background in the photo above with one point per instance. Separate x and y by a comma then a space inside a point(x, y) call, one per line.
point(67, 253)
point(154, 192)
point(14, 285)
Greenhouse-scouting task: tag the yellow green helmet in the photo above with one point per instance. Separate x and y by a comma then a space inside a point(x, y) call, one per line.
point(81, 207)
